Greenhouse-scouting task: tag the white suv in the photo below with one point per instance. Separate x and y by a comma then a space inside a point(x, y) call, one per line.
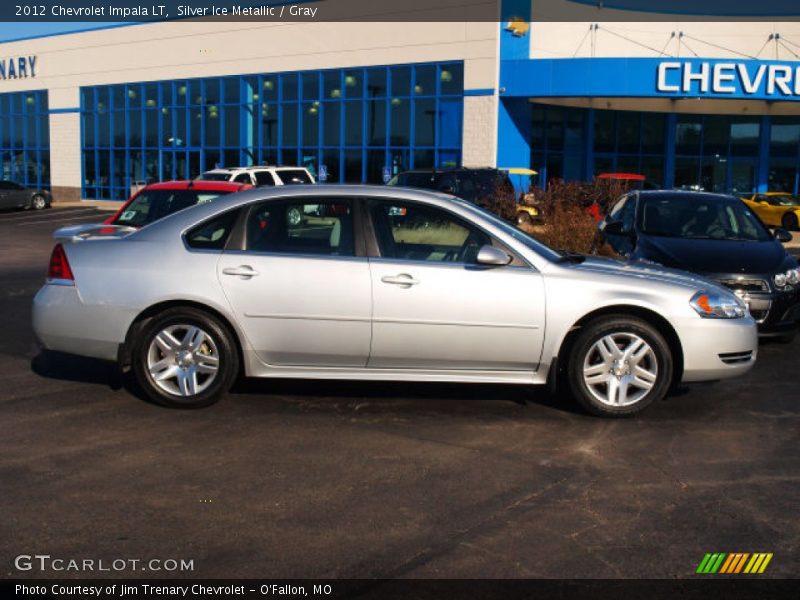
point(260, 175)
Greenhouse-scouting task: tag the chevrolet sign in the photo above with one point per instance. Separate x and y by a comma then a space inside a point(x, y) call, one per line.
point(732, 78)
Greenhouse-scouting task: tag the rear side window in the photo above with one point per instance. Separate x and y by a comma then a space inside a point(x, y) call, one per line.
point(214, 233)
point(243, 178)
point(264, 178)
point(322, 227)
point(210, 176)
point(294, 176)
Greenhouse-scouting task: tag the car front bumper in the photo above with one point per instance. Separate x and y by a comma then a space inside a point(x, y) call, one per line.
point(717, 348)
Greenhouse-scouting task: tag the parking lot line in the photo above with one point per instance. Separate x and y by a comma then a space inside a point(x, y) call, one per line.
point(64, 222)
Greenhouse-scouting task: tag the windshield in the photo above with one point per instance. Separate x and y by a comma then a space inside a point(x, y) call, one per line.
point(294, 176)
point(152, 205)
point(700, 218)
point(212, 176)
point(519, 235)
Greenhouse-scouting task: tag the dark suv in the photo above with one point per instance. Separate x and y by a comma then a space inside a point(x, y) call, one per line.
point(486, 187)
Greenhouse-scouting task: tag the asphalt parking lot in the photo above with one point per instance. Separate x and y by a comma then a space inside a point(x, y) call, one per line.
point(320, 479)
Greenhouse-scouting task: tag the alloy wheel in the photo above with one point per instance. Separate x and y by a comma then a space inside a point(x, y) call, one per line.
point(620, 369)
point(183, 360)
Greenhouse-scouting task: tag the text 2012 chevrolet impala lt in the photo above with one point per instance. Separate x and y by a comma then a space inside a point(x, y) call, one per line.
point(360, 282)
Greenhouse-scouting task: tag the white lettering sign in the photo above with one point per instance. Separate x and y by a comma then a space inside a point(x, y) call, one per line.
point(744, 78)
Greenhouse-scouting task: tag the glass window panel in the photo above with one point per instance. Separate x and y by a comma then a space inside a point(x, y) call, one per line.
point(88, 130)
point(629, 124)
point(425, 80)
point(784, 137)
point(376, 161)
point(376, 122)
point(352, 166)
point(604, 132)
point(288, 156)
point(744, 138)
point(150, 95)
point(117, 97)
point(289, 86)
point(269, 156)
point(401, 81)
point(118, 118)
point(179, 116)
point(555, 128)
point(450, 119)
point(331, 122)
point(135, 128)
point(195, 125)
point(424, 121)
point(401, 122)
point(309, 159)
point(310, 85)
point(716, 135)
point(232, 125)
point(213, 125)
point(689, 131)
point(451, 78)
point(230, 158)
point(167, 98)
point(232, 89)
point(289, 124)
point(269, 124)
point(151, 165)
point(330, 158)
point(353, 123)
point(103, 130)
point(332, 85)
point(653, 126)
point(376, 83)
point(194, 92)
point(151, 128)
point(353, 83)
point(310, 123)
point(269, 87)
point(449, 158)
point(134, 96)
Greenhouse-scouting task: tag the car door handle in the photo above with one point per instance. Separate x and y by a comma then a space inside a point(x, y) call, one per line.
point(403, 279)
point(243, 271)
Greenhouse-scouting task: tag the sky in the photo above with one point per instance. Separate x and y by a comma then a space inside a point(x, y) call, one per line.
point(15, 31)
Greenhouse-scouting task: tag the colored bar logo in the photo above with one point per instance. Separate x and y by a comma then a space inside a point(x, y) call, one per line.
point(734, 563)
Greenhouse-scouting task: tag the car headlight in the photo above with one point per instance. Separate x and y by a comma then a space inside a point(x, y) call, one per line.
point(714, 305)
point(790, 277)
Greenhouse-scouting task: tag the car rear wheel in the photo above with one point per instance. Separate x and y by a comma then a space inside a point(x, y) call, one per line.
point(38, 202)
point(185, 358)
point(619, 366)
point(789, 221)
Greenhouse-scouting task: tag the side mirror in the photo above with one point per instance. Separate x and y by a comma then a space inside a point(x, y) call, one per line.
point(782, 235)
point(614, 228)
point(492, 256)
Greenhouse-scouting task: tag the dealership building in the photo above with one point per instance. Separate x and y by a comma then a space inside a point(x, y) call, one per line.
point(702, 103)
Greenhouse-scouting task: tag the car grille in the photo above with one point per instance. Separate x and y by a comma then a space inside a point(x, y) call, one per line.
point(746, 285)
point(736, 358)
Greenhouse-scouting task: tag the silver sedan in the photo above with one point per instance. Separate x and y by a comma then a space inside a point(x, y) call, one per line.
point(370, 283)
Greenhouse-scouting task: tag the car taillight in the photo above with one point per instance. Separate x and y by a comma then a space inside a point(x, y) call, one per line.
point(59, 266)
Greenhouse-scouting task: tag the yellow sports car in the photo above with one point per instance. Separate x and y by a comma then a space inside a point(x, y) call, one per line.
point(776, 209)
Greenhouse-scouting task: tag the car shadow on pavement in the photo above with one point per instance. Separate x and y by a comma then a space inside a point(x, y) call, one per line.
point(69, 367)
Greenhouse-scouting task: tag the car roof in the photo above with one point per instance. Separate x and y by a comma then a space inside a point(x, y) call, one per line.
point(682, 193)
point(197, 184)
point(251, 168)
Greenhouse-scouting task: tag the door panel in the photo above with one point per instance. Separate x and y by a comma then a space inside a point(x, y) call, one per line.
point(456, 316)
point(296, 288)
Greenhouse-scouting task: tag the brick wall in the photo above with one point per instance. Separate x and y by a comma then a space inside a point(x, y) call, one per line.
point(480, 131)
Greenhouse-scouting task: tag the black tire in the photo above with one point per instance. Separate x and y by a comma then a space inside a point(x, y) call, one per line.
point(657, 361)
point(785, 339)
point(218, 342)
point(38, 202)
point(789, 221)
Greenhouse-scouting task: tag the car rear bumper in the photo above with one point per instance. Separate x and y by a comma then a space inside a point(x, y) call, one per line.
point(718, 348)
point(62, 322)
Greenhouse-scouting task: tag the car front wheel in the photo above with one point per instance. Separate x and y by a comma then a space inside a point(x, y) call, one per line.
point(38, 202)
point(789, 221)
point(185, 358)
point(619, 366)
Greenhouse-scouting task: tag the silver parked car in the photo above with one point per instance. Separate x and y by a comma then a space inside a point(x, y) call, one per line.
point(379, 284)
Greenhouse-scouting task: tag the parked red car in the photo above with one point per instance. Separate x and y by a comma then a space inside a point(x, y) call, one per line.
point(158, 200)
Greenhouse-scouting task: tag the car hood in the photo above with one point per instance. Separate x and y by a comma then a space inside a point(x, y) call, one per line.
point(713, 256)
point(644, 270)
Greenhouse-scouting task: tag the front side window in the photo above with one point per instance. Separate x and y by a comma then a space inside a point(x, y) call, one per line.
point(322, 227)
point(410, 231)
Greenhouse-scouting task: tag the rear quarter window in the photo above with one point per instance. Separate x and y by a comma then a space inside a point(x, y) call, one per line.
point(214, 233)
